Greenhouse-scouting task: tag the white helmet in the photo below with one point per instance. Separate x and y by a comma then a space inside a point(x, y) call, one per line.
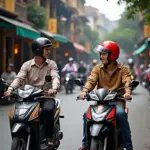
point(130, 61)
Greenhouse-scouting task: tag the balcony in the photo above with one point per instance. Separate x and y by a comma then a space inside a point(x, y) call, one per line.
point(21, 10)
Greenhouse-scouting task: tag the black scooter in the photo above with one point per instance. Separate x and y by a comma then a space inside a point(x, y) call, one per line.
point(69, 82)
point(103, 132)
point(27, 129)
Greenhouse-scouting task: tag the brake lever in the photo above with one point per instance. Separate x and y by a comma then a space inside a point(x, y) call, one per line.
point(122, 98)
point(3, 97)
point(78, 98)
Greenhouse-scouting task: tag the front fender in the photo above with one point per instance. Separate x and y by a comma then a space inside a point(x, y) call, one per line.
point(98, 129)
point(17, 127)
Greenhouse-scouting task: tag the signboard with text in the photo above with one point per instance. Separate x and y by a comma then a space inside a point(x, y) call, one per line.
point(146, 31)
point(52, 25)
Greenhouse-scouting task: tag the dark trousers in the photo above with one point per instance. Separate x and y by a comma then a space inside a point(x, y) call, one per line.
point(48, 107)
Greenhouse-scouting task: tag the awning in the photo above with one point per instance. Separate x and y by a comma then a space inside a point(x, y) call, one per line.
point(22, 29)
point(141, 49)
point(56, 37)
point(79, 47)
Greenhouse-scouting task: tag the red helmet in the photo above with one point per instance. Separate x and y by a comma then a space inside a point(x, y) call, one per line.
point(111, 47)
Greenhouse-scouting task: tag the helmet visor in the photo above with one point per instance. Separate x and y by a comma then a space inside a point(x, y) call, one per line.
point(100, 49)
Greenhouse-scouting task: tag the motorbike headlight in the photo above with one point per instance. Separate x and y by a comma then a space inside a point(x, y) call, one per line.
point(110, 97)
point(20, 112)
point(67, 78)
point(98, 117)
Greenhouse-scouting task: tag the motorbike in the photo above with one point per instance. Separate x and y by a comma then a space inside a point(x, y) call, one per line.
point(102, 131)
point(82, 76)
point(146, 82)
point(3, 87)
point(26, 126)
point(69, 82)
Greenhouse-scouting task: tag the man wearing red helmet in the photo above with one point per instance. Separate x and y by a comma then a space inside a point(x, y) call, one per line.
point(110, 75)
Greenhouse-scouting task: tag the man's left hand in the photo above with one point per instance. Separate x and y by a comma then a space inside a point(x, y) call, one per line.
point(52, 92)
point(127, 96)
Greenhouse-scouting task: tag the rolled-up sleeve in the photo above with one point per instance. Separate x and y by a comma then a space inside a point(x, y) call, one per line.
point(55, 76)
point(19, 79)
point(92, 80)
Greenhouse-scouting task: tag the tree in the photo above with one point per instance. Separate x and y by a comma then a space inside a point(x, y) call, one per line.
point(91, 37)
point(135, 6)
point(127, 34)
point(36, 15)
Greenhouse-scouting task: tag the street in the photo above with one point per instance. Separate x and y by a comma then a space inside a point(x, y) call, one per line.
point(71, 125)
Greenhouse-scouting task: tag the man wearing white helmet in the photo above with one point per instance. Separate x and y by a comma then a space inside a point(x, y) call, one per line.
point(132, 68)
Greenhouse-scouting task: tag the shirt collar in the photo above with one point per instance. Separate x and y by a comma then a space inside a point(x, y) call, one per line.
point(33, 61)
point(117, 65)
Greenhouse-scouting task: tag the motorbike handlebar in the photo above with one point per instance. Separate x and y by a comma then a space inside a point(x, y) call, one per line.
point(119, 97)
point(44, 93)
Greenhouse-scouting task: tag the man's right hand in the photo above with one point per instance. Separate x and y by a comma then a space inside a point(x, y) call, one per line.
point(8, 92)
point(82, 95)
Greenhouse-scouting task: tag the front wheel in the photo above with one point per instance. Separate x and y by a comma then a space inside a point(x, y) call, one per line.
point(96, 144)
point(19, 143)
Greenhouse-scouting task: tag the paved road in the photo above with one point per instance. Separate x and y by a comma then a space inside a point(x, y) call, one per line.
point(139, 112)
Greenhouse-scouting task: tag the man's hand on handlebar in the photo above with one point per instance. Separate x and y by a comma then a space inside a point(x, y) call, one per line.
point(8, 93)
point(82, 95)
point(127, 96)
point(52, 91)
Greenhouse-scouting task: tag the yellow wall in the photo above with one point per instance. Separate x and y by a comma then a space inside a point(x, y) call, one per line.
point(10, 5)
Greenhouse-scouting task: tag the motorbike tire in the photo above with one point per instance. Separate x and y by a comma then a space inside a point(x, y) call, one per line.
point(96, 144)
point(19, 143)
point(66, 91)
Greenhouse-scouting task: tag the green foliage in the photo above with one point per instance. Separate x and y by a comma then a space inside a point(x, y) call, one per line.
point(136, 6)
point(36, 15)
point(92, 37)
point(127, 34)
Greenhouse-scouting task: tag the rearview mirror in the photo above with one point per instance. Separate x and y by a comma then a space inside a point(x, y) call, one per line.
point(79, 82)
point(133, 84)
point(2, 80)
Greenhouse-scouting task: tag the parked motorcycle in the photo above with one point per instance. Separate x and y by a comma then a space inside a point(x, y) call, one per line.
point(3, 87)
point(69, 82)
point(103, 132)
point(27, 129)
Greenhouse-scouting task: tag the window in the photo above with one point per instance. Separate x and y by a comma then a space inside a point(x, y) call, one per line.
point(42, 3)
